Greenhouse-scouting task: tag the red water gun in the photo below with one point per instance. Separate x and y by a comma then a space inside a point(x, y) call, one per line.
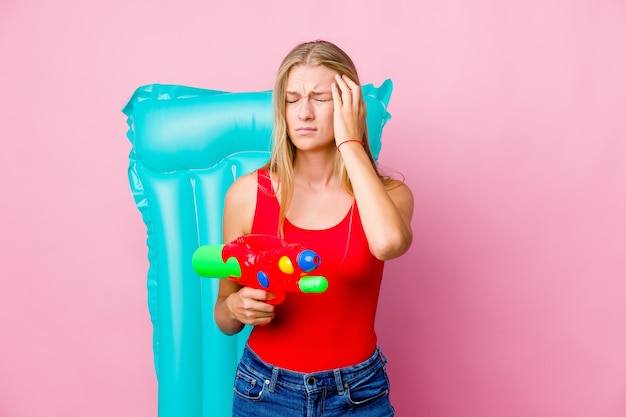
point(262, 262)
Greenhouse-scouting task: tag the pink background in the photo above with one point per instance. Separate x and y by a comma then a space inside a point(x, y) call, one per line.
point(508, 123)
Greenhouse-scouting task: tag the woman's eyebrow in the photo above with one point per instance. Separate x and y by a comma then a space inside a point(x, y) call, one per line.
point(312, 93)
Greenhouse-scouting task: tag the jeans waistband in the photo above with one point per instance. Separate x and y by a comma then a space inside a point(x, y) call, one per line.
point(338, 378)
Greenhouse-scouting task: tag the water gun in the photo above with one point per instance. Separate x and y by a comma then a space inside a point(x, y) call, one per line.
point(262, 262)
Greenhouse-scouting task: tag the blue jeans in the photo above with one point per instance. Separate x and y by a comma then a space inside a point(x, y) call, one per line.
point(264, 390)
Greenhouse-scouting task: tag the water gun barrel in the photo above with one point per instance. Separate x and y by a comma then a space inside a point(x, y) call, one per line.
point(313, 284)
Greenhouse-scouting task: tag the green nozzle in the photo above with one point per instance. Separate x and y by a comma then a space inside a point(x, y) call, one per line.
point(207, 262)
point(314, 284)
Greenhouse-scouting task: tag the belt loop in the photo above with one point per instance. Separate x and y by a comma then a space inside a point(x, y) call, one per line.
point(382, 356)
point(338, 381)
point(272, 386)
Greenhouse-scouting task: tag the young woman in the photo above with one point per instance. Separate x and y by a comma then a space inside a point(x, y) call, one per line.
point(316, 354)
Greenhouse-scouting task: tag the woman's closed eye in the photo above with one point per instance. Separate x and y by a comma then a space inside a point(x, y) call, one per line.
point(316, 96)
point(318, 100)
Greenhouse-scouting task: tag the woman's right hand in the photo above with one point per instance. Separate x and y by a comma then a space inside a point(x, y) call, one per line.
point(249, 306)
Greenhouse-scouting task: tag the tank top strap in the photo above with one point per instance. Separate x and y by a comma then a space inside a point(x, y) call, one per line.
point(267, 208)
point(265, 181)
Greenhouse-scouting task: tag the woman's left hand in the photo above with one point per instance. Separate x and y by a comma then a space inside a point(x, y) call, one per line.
point(349, 112)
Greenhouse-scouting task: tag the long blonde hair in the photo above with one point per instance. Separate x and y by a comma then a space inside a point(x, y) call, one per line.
point(281, 161)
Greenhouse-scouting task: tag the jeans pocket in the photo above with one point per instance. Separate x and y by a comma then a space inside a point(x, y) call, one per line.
point(249, 386)
point(368, 388)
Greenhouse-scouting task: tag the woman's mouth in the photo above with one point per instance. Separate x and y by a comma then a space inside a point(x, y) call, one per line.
point(306, 130)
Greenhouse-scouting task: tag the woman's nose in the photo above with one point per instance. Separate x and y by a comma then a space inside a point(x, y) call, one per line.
point(306, 110)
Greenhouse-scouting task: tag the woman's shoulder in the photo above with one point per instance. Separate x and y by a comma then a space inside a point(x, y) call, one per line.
point(399, 191)
point(393, 184)
point(243, 186)
point(239, 206)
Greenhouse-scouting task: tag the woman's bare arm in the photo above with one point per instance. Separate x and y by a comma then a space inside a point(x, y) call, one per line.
point(237, 305)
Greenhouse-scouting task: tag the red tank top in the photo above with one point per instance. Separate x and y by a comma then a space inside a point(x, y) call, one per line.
point(335, 329)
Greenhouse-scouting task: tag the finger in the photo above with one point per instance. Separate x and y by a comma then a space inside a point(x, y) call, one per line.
point(255, 300)
point(259, 307)
point(259, 310)
point(355, 89)
point(346, 94)
point(266, 296)
point(257, 294)
point(257, 319)
point(334, 89)
point(255, 312)
point(262, 322)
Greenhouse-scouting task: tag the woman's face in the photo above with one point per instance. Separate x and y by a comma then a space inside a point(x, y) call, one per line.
point(309, 106)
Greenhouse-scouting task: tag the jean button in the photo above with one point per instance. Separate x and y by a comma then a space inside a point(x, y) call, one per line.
point(310, 380)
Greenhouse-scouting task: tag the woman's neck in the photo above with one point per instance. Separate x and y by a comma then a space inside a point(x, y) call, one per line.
point(315, 170)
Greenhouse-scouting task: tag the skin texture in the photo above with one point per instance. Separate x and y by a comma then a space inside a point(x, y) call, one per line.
point(323, 110)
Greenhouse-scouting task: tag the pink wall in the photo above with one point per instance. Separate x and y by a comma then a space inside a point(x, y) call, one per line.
point(508, 123)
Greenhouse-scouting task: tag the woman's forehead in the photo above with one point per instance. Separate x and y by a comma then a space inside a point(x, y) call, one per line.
point(308, 78)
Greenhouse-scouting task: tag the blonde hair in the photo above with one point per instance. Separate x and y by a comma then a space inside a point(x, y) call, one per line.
point(281, 161)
